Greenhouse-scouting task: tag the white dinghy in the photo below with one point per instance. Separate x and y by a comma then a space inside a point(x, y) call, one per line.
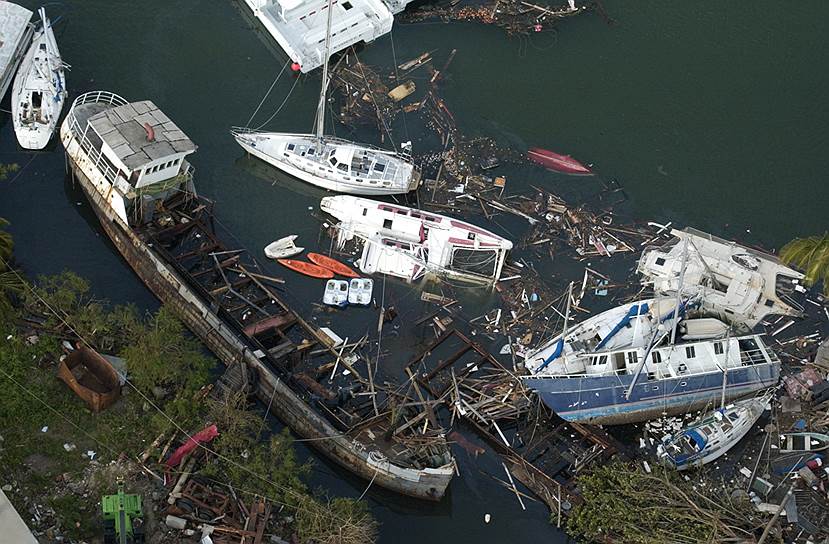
point(39, 89)
point(283, 248)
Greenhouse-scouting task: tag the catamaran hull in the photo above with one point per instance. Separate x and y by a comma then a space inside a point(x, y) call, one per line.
point(302, 175)
point(601, 400)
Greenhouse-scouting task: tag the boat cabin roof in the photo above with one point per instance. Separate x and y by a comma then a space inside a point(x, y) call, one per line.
point(123, 130)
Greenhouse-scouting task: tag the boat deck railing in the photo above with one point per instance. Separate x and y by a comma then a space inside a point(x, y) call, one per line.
point(81, 133)
point(673, 369)
point(333, 139)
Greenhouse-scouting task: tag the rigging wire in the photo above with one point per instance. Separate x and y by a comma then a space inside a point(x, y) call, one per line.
point(266, 95)
point(282, 105)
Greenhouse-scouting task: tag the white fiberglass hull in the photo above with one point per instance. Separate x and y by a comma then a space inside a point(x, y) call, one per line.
point(39, 91)
point(272, 151)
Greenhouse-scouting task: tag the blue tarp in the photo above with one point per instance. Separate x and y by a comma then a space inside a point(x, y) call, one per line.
point(636, 310)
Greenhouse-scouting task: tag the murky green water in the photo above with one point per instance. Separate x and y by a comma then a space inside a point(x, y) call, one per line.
point(709, 114)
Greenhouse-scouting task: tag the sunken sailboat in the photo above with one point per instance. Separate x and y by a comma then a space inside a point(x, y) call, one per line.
point(130, 160)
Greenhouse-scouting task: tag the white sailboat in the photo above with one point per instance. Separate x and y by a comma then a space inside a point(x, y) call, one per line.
point(39, 89)
point(331, 163)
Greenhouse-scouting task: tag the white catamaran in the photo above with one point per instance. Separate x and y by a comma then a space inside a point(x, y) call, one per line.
point(39, 89)
point(331, 163)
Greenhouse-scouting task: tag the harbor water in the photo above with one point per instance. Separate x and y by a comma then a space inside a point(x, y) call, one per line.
point(708, 114)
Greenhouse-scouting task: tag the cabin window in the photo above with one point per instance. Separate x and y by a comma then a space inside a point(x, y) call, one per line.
point(291, 147)
point(342, 167)
point(689, 352)
point(598, 360)
point(333, 161)
point(312, 151)
point(387, 223)
point(718, 348)
point(471, 236)
point(633, 357)
point(365, 212)
point(380, 167)
point(660, 261)
point(656, 357)
point(619, 361)
point(347, 5)
point(769, 303)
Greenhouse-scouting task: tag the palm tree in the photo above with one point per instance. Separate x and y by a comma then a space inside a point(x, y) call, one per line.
point(812, 256)
point(6, 243)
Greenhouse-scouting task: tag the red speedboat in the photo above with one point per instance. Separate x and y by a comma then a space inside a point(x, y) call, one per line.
point(559, 163)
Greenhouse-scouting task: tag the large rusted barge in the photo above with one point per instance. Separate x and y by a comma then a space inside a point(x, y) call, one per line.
point(129, 159)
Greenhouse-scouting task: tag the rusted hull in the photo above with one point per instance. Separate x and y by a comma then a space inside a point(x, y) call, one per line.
point(231, 348)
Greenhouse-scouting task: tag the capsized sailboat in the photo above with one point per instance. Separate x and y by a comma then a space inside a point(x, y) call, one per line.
point(713, 434)
point(39, 89)
point(332, 163)
point(738, 284)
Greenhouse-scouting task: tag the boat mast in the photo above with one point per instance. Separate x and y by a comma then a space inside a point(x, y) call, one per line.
point(320, 128)
point(679, 291)
point(725, 369)
point(566, 322)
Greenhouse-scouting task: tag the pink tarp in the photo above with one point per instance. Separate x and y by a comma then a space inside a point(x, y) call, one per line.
point(205, 435)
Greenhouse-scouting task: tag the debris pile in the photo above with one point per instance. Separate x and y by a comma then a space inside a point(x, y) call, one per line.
point(515, 16)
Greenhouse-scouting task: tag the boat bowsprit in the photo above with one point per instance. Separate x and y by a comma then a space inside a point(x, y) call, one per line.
point(306, 268)
point(359, 291)
point(333, 265)
point(336, 293)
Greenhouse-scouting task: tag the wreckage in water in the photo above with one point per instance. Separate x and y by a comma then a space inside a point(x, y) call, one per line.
point(738, 284)
point(410, 243)
point(129, 159)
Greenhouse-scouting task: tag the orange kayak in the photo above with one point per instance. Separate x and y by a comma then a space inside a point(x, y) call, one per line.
point(306, 268)
point(333, 265)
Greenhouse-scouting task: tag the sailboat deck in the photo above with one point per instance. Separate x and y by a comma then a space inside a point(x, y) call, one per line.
point(365, 164)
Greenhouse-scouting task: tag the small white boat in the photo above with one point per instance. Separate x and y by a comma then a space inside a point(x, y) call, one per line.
point(714, 434)
point(803, 442)
point(359, 291)
point(39, 89)
point(336, 293)
point(283, 248)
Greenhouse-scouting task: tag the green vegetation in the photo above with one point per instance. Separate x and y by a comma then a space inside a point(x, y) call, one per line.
point(623, 503)
point(812, 256)
point(167, 368)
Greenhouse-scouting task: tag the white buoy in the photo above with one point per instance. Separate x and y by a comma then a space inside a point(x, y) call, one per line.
point(487, 518)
